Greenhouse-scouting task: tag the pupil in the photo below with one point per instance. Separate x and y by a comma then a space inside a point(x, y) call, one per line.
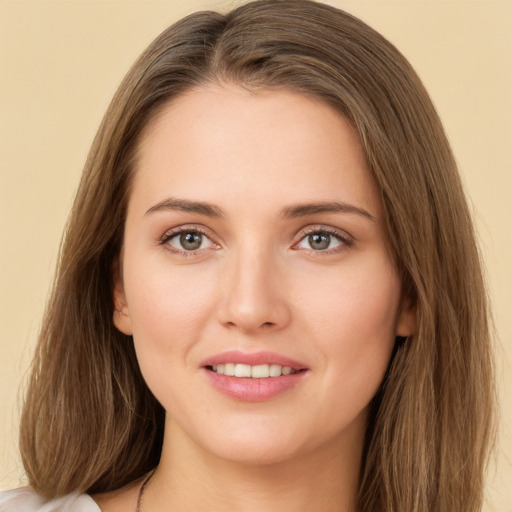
point(191, 241)
point(319, 242)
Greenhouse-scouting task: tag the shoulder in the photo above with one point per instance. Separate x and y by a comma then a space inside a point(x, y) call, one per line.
point(26, 499)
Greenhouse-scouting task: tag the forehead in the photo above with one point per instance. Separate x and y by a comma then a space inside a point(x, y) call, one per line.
point(225, 143)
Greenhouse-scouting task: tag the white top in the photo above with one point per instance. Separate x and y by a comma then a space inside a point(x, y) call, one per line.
point(26, 499)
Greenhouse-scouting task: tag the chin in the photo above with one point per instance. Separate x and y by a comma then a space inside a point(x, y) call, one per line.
point(253, 453)
point(269, 442)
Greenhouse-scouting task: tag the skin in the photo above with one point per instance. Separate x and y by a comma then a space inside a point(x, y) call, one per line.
point(257, 283)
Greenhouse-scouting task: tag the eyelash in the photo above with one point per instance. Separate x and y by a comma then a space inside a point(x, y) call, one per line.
point(345, 240)
point(168, 236)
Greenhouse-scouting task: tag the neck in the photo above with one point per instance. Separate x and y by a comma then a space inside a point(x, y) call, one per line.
point(189, 478)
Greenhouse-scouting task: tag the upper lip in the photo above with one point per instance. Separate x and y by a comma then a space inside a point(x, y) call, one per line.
point(252, 359)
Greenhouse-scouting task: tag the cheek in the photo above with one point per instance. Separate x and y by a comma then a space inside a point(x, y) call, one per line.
point(169, 307)
point(354, 326)
point(359, 300)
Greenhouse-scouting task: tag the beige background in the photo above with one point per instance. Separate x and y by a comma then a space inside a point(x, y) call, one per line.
point(60, 63)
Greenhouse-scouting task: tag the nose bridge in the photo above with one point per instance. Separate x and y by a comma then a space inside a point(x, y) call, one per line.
point(253, 297)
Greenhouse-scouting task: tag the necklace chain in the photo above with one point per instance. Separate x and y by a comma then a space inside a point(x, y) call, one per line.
point(141, 492)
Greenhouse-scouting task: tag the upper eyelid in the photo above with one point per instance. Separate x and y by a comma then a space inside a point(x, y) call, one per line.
point(325, 229)
point(165, 239)
point(347, 240)
point(303, 232)
point(170, 233)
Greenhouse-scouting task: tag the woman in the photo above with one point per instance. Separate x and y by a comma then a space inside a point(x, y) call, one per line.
point(269, 293)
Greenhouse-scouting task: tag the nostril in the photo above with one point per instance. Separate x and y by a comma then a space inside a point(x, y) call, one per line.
point(253, 311)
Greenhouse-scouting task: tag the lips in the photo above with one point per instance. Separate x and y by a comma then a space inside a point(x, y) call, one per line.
point(253, 377)
point(259, 371)
point(252, 359)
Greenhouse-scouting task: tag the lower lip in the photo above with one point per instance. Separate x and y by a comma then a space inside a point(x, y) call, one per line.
point(253, 390)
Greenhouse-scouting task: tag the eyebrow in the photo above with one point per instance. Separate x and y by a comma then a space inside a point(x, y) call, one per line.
point(290, 212)
point(302, 210)
point(185, 205)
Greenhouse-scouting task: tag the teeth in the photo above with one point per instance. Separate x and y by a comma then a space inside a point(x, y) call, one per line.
point(260, 371)
point(275, 370)
point(242, 370)
point(229, 369)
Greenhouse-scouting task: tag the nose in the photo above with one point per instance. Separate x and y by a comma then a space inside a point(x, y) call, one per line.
point(253, 294)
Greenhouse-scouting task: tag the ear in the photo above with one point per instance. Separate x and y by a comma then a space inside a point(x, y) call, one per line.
point(122, 319)
point(407, 323)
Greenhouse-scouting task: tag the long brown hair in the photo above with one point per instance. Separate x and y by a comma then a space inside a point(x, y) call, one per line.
point(91, 424)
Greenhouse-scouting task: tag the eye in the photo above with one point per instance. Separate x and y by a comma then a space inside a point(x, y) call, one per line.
point(188, 240)
point(322, 240)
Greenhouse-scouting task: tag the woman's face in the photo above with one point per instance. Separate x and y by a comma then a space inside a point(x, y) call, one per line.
point(255, 245)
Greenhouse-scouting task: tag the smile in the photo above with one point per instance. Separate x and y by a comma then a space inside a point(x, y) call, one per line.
point(253, 377)
point(260, 371)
